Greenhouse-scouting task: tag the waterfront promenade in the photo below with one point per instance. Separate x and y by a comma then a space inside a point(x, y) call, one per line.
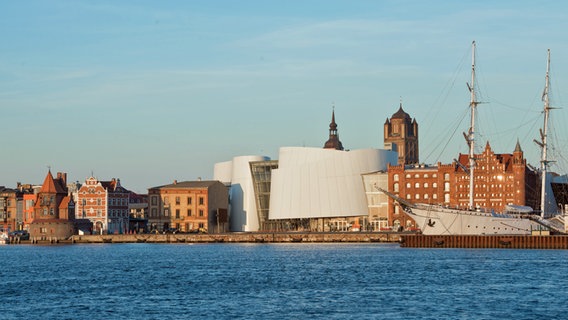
point(237, 237)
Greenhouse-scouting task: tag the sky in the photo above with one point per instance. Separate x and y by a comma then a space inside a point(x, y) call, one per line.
point(152, 91)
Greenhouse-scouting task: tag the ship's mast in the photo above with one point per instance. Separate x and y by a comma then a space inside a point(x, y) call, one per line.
point(544, 143)
point(471, 134)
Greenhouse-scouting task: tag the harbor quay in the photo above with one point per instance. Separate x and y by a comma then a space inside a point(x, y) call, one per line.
point(232, 237)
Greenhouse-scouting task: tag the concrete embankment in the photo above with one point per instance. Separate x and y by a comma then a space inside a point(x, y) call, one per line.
point(246, 237)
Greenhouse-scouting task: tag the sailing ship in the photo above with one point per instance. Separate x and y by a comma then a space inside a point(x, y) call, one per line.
point(515, 220)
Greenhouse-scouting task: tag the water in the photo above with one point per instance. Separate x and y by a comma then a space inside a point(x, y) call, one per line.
point(279, 281)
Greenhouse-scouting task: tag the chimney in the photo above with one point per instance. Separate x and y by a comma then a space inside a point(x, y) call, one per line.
point(62, 176)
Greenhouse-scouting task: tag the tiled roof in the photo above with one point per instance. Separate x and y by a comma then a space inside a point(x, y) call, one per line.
point(50, 185)
point(189, 184)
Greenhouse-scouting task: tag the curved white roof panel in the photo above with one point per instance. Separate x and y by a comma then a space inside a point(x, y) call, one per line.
point(318, 183)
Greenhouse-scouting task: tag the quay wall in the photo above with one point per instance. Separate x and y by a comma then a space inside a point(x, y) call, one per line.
point(245, 237)
point(250, 237)
point(485, 241)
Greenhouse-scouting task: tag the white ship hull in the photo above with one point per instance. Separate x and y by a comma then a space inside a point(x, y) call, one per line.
point(437, 220)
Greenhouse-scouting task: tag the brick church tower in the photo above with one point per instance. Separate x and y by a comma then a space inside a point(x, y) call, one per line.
point(402, 131)
point(333, 141)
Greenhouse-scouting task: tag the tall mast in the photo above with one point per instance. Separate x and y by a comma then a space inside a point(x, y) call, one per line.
point(471, 134)
point(543, 134)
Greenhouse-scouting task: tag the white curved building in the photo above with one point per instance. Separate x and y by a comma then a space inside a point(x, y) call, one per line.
point(323, 183)
point(242, 205)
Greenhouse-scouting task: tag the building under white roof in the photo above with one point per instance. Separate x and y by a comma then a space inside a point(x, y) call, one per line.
point(242, 206)
point(323, 183)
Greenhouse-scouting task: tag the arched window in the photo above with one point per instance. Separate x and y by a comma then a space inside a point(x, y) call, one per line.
point(395, 187)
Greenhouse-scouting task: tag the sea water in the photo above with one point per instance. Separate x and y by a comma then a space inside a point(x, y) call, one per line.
point(280, 281)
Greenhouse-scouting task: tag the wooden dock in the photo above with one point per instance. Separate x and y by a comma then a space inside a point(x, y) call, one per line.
point(485, 241)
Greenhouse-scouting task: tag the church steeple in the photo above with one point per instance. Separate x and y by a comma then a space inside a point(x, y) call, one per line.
point(518, 147)
point(333, 142)
point(401, 135)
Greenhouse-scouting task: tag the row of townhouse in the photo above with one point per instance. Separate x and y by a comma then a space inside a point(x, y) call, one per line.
point(59, 209)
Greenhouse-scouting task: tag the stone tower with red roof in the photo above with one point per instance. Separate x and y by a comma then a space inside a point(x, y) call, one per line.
point(54, 210)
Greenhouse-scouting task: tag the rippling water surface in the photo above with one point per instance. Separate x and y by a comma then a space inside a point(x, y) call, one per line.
point(280, 281)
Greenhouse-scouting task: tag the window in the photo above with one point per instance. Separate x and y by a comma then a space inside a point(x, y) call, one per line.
point(408, 196)
point(447, 186)
point(435, 185)
point(154, 212)
point(408, 185)
point(201, 213)
point(425, 175)
point(189, 212)
point(395, 177)
point(188, 200)
point(201, 200)
point(446, 176)
point(201, 225)
point(447, 198)
point(166, 212)
point(417, 196)
point(395, 187)
point(154, 200)
point(99, 202)
point(425, 184)
point(177, 214)
point(408, 175)
point(417, 185)
point(177, 201)
point(435, 196)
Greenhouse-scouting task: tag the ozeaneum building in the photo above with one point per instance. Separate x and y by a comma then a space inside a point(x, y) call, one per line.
point(306, 188)
point(314, 183)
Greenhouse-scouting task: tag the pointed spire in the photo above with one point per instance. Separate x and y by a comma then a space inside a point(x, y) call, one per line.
point(48, 185)
point(518, 147)
point(333, 142)
point(333, 125)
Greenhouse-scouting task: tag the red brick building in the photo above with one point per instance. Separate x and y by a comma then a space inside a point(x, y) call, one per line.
point(54, 210)
point(105, 204)
point(500, 179)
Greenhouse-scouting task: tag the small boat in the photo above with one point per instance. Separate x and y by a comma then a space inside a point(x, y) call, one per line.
point(4, 238)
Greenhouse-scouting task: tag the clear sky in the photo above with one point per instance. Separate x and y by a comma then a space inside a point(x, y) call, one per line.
point(152, 91)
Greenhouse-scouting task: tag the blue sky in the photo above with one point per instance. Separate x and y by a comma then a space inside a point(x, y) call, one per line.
point(152, 91)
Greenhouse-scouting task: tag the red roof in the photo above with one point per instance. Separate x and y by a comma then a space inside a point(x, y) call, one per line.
point(51, 185)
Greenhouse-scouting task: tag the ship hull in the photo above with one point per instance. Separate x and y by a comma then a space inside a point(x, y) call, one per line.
point(436, 220)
